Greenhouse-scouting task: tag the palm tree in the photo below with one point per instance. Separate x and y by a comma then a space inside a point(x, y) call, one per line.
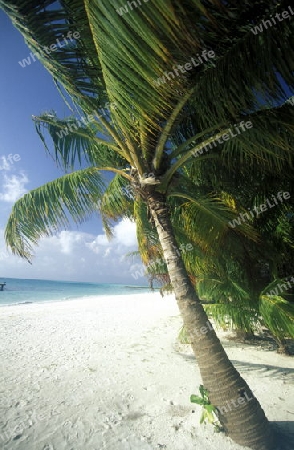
point(161, 66)
point(236, 278)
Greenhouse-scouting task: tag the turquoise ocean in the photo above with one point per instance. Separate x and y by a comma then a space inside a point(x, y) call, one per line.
point(22, 291)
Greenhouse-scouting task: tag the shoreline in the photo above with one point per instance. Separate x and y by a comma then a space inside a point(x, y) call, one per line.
point(79, 298)
point(109, 375)
point(42, 291)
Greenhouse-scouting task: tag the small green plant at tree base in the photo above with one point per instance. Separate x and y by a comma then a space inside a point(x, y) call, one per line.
point(209, 412)
point(183, 336)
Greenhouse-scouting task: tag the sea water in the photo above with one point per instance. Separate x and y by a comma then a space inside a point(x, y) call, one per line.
point(22, 291)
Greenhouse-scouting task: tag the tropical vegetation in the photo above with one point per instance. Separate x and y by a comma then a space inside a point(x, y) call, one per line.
point(245, 285)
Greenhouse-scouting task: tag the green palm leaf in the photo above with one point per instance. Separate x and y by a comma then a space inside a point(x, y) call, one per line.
point(117, 201)
point(212, 216)
point(277, 315)
point(76, 143)
point(46, 209)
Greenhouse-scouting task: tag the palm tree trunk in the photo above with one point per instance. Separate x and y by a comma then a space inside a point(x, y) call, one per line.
point(239, 412)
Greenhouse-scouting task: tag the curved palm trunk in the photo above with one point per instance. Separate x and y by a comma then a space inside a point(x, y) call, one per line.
point(240, 413)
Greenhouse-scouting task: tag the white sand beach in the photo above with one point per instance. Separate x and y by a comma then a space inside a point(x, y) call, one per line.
point(106, 373)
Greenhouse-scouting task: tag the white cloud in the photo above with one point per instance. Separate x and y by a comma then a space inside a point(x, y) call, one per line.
point(68, 240)
point(125, 233)
point(124, 236)
point(80, 256)
point(96, 244)
point(13, 187)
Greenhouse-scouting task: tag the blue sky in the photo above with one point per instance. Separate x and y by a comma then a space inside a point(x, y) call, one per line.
point(83, 253)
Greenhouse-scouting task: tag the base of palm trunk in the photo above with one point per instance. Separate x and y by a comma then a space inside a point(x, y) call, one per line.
point(242, 437)
point(245, 423)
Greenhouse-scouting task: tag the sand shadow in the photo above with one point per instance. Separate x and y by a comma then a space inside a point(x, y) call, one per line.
point(281, 373)
point(263, 370)
point(284, 434)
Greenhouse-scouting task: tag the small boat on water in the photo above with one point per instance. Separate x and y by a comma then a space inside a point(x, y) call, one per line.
point(2, 286)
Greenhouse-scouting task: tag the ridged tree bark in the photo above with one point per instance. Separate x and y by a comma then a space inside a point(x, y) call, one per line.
point(241, 415)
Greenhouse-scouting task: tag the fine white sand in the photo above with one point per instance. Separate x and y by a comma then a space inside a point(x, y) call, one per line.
point(106, 373)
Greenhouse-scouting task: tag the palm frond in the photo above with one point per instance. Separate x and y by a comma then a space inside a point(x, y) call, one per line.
point(76, 143)
point(277, 315)
point(234, 316)
point(147, 236)
point(134, 50)
point(46, 209)
point(117, 201)
point(267, 62)
point(268, 142)
point(73, 62)
point(208, 217)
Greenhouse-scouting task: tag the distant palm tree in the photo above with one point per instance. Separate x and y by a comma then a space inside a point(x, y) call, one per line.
point(170, 69)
